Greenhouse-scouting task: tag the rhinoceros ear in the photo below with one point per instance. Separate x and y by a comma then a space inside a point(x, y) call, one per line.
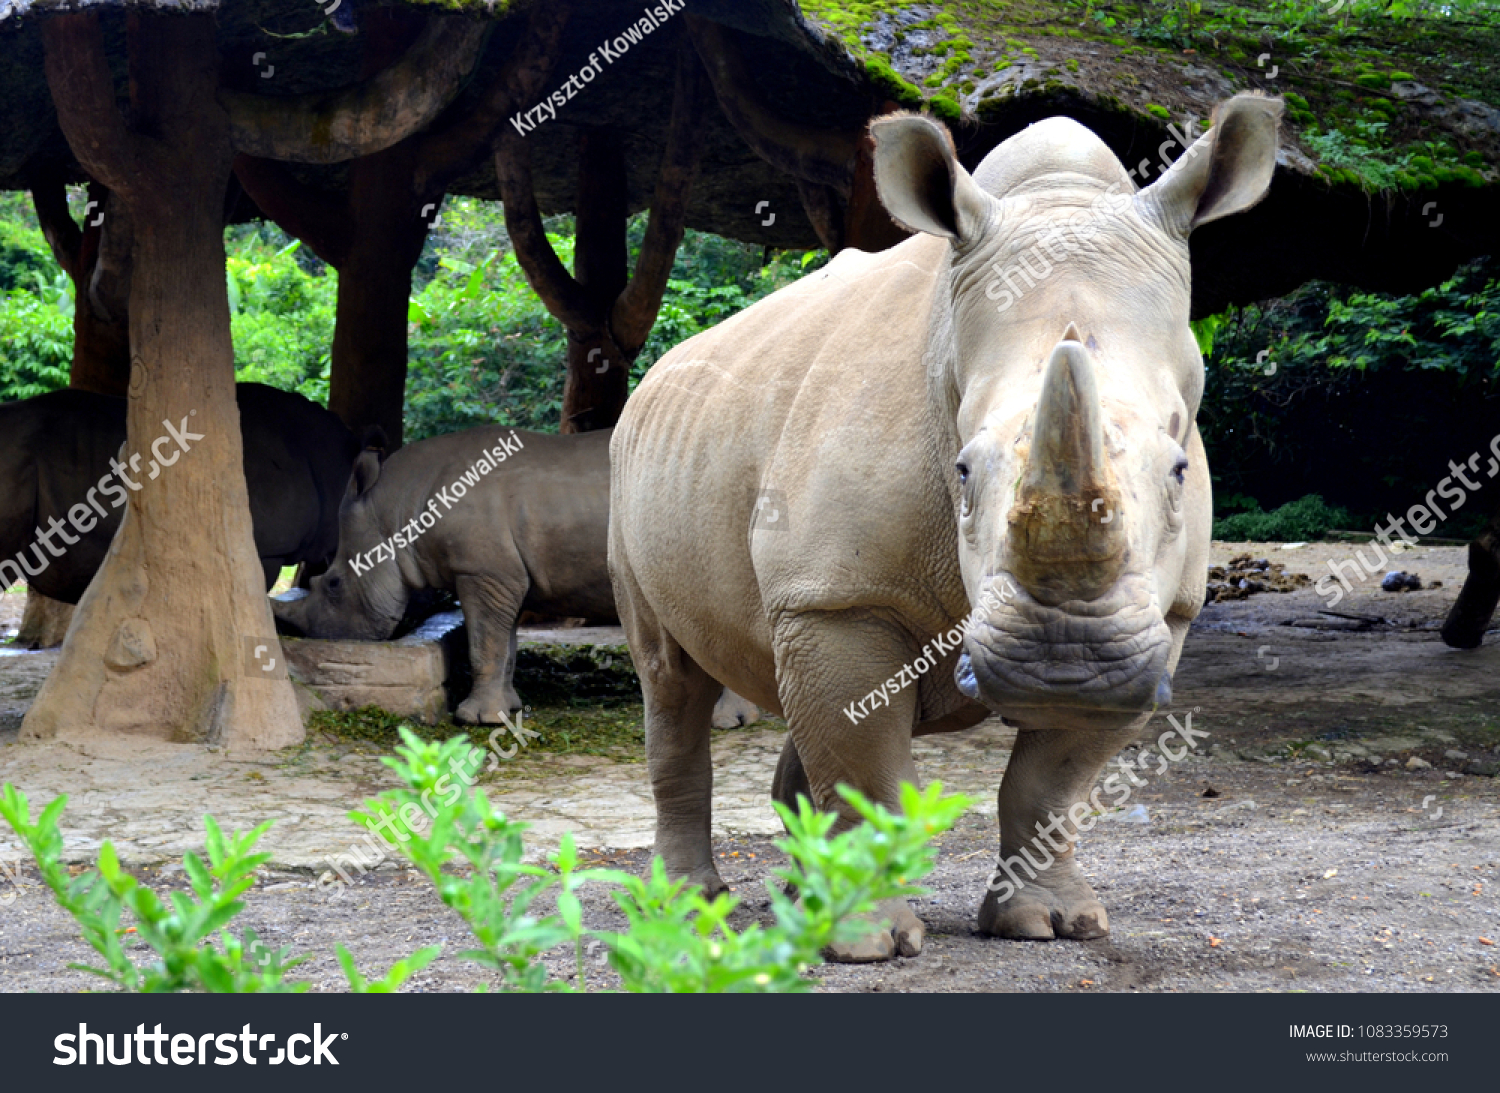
point(366, 473)
point(921, 183)
point(1226, 171)
point(374, 440)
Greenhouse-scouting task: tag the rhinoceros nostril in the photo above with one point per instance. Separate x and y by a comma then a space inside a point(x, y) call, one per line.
point(963, 675)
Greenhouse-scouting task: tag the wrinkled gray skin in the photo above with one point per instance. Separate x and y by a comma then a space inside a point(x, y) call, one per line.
point(925, 444)
point(530, 535)
point(56, 447)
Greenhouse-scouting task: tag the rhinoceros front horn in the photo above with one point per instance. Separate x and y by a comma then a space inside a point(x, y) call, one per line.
point(1067, 535)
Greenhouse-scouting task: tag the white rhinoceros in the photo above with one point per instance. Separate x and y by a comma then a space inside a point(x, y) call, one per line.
point(807, 498)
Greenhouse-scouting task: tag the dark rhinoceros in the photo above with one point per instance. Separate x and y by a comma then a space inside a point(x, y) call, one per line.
point(64, 481)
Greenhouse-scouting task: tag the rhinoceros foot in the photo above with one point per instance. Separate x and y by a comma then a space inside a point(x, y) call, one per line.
point(1034, 913)
point(897, 930)
point(486, 708)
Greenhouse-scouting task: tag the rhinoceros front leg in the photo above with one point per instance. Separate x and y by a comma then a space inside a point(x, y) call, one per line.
point(490, 612)
point(826, 664)
point(1039, 893)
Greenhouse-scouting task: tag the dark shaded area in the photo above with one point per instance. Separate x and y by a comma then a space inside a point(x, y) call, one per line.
point(1306, 229)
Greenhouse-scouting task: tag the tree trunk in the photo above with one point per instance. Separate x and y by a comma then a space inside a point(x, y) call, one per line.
point(594, 392)
point(96, 259)
point(607, 312)
point(386, 230)
point(367, 383)
point(101, 324)
point(166, 638)
point(597, 383)
point(45, 623)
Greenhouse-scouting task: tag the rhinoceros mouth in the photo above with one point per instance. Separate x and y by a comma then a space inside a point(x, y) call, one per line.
point(1107, 654)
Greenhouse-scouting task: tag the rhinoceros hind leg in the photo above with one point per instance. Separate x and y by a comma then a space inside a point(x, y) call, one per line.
point(679, 697)
point(790, 780)
point(490, 613)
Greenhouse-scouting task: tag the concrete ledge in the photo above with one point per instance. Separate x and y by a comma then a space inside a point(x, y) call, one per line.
point(426, 674)
point(410, 677)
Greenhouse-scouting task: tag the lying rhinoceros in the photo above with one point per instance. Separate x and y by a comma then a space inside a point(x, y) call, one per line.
point(992, 420)
point(64, 480)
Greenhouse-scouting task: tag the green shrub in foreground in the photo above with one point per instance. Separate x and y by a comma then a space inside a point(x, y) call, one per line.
point(676, 940)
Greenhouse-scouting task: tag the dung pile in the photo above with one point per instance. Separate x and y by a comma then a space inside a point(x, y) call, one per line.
point(1246, 575)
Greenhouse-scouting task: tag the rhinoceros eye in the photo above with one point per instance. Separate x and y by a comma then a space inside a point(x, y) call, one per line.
point(1179, 470)
point(963, 473)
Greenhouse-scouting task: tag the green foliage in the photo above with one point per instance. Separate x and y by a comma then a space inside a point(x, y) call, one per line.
point(1298, 521)
point(1364, 154)
point(676, 940)
point(1300, 381)
point(36, 307)
point(178, 931)
point(38, 341)
point(281, 312)
point(496, 893)
point(23, 249)
point(680, 942)
point(484, 349)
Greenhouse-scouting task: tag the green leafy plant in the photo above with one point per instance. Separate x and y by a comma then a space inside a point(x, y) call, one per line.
point(1298, 521)
point(675, 939)
point(179, 931)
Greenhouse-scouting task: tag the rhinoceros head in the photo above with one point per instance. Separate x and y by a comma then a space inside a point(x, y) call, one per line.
point(1061, 353)
point(362, 596)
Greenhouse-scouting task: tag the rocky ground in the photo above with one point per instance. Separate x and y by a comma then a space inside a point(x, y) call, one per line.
point(1338, 830)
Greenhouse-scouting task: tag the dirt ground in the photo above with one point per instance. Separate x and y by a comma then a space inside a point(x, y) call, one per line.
point(1338, 831)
